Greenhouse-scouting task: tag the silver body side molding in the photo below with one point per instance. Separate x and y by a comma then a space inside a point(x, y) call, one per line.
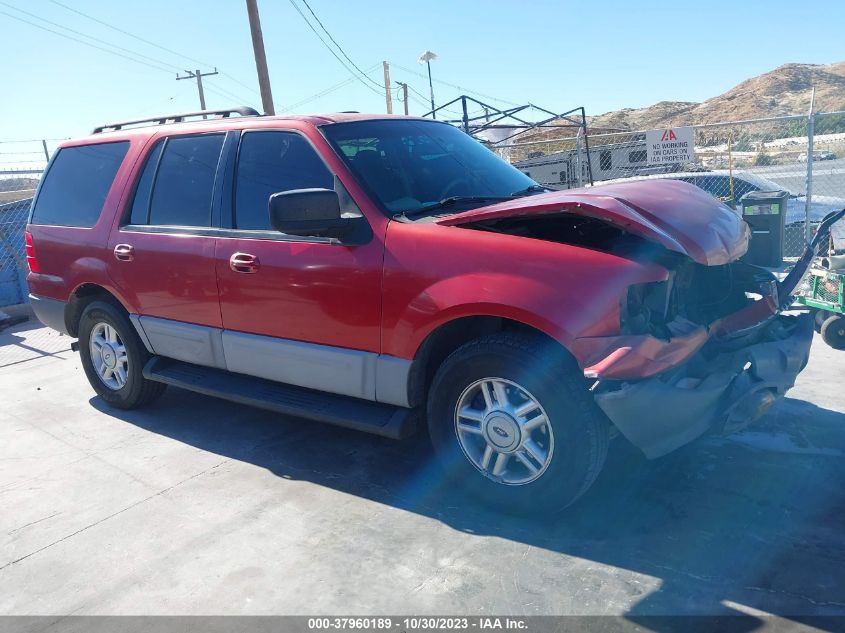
point(392, 375)
point(336, 370)
point(347, 372)
point(188, 342)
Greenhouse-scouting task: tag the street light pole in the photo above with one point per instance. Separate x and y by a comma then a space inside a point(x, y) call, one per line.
point(430, 87)
point(426, 58)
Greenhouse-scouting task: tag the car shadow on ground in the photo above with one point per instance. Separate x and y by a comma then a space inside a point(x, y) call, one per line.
point(25, 341)
point(720, 522)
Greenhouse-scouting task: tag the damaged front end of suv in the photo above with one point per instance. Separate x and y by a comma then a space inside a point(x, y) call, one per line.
point(707, 350)
point(711, 346)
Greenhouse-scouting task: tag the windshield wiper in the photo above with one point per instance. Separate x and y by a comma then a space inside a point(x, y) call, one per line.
point(529, 189)
point(457, 200)
point(450, 202)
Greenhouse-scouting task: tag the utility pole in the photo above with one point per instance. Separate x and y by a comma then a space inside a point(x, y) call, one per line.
point(387, 96)
point(260, 57)
point(196, 74)
point(404, 96)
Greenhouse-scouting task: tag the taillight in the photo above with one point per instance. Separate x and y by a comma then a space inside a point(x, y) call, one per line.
point(31, 259)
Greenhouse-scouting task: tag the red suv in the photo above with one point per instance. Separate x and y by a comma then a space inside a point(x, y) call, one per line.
point(378, 272)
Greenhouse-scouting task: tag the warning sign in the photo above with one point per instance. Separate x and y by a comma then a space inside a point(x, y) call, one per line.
point(670, 145)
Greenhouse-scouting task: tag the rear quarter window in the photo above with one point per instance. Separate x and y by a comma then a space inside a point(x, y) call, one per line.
point(76, 185)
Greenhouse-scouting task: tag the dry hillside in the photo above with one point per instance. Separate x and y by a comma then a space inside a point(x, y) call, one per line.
point(783, 91)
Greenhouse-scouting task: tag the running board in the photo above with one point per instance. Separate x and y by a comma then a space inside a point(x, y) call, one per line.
point(353, 413)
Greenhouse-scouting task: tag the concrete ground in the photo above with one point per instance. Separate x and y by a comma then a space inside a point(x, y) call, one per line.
point(198, 506)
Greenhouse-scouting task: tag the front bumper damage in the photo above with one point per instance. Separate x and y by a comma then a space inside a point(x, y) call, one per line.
point(724, 386)
point(661, 394)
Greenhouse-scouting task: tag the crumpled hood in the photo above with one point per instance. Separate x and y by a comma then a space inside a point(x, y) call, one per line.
point(679, 216)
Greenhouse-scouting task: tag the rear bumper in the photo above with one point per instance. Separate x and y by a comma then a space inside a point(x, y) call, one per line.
point(51, 312)
point(725, 386)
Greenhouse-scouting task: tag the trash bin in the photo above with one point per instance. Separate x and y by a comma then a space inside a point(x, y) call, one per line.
point(765, 212)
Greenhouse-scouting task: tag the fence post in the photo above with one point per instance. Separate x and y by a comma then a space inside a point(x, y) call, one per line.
point(578, 167)
point(811, 119)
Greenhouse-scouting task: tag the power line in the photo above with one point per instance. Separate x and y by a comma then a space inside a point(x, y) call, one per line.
point(90, 37)
point(155, 45)
point(222, 92)
point(240, 83)
point(100, 48)
point(317, 95)
point(339, 47)
point(423, 100)
point(461, 88)
point(132, 35)
point(326, 91)
point(330, 49)
point(157, 65)
point(33, 140)
point(219, 93)
point(227, 93)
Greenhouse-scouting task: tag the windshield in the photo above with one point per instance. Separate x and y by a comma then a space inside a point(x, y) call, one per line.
point(407, 165)
point(762, 184)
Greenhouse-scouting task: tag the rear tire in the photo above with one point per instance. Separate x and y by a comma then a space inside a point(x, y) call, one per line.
point(113, 357)
point(819, 317)
point(515, 456)
point(833, 331)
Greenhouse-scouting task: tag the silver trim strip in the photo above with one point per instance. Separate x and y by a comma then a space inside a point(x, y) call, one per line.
point(348, 372)
point(191, 343)
point(392, 380)
point(136, 321)
point(332, 369)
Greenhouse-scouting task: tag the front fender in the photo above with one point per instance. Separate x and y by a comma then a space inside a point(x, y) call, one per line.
point(532, 302)
point(435, 274)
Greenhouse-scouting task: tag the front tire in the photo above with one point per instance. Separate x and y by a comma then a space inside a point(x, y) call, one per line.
point(113, 357)
point(513, 424)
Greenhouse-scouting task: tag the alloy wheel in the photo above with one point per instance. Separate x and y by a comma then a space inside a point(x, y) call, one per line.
point(109, 356)
point(504, 431)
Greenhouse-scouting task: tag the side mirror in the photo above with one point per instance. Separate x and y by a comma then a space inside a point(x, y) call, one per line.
point(308, 213)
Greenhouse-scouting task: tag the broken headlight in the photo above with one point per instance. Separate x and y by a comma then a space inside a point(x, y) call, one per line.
point(645, 309)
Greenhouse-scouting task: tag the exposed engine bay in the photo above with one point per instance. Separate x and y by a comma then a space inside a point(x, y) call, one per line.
point(694, 293)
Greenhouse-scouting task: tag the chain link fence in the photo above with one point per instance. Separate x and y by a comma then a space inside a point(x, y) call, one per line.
point(802, 155)
point(21, 165)
point(13, 268)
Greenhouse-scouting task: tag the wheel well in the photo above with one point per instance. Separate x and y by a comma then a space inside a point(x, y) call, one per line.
point(81, 297)
point(449, 337)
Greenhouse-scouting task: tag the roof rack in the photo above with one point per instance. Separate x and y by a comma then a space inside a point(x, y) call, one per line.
point(177, 118)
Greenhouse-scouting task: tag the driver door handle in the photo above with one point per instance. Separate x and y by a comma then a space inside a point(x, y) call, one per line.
point(124, 252)
point(244, 263)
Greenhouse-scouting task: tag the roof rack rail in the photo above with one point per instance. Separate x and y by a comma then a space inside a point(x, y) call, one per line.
point(177, 118)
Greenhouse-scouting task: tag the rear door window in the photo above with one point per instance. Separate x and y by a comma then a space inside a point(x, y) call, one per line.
point(77, 183)
point(184, 181)
point(143, 192)
point(270, 162)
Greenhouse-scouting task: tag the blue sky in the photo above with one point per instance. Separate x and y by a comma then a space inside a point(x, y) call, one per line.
point(604, 54)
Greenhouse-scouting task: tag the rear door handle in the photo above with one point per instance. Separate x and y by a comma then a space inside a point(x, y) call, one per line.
point(243, 263)
point(124, 252)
